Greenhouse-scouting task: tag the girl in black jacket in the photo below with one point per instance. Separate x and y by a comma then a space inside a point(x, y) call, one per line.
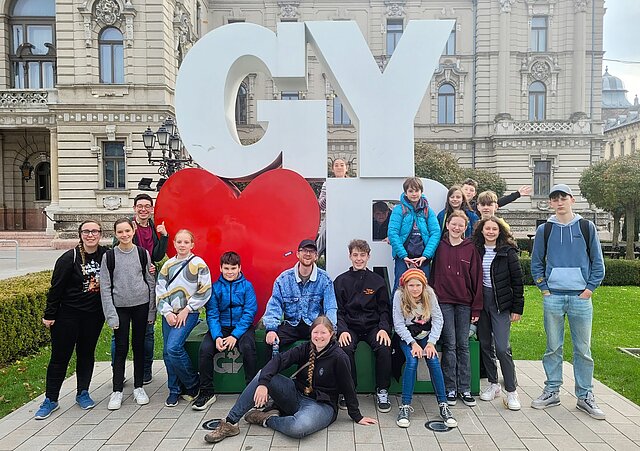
point(308, 401)
point(503, 304)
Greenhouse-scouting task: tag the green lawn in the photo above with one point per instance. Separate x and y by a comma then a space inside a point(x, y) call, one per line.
point(615, 325)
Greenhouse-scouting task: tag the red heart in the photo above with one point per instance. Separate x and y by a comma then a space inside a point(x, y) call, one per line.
point(264, 224)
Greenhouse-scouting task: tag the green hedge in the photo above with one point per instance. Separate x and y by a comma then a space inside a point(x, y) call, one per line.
point(22, 303)
point(617, 272)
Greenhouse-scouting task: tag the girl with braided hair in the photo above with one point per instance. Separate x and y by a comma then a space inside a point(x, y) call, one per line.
point(74, 316)
point(308, 401)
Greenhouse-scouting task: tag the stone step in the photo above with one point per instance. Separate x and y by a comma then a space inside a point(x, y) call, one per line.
point(25, 238)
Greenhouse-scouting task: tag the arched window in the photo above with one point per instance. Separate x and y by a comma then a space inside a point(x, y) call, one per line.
point(33, 52)
point(446, 104)
point(43, 181)
point(537, 101)
point(241, 105)
point(111, 56)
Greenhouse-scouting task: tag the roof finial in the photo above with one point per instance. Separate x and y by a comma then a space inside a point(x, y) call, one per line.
point(606, 69)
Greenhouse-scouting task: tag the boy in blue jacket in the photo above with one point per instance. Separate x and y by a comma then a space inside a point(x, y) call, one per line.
point(567, 266)
point(230, 313)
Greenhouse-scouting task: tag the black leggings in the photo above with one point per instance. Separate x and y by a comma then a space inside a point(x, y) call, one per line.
point(137, 317)
point(73, 329)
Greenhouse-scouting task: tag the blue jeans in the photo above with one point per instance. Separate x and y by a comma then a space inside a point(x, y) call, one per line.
point(400, 267)
point(149, 339)
point(176, 359)
point(301, 415)
point(456, 363)
point(579, 312)
point(411, 368)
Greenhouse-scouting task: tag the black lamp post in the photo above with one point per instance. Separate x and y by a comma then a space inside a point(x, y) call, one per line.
point(174, 156)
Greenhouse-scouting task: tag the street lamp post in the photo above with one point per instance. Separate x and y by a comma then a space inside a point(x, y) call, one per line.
point(174, 156)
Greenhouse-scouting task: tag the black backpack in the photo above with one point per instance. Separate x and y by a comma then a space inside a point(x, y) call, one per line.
point(585, 229)
point(111, 264)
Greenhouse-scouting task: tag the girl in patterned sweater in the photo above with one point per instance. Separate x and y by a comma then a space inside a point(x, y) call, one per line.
point(183, 287)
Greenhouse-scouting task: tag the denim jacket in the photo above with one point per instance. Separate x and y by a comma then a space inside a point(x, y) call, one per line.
point(293, 301)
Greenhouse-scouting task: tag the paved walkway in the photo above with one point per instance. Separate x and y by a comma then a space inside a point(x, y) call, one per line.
point(30, 259)
point(487, 426)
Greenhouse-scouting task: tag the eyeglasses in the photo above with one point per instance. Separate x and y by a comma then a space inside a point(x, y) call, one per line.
point(144, 207)
point(308, 251)
point(91, 232)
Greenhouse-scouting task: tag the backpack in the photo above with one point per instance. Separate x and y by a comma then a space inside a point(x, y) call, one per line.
point(585, 229)
point(111, 264)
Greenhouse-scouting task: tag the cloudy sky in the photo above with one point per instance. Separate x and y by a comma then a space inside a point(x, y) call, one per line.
point(620, 24)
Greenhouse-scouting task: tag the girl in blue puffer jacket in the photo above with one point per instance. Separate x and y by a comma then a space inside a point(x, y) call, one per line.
point(414, 232)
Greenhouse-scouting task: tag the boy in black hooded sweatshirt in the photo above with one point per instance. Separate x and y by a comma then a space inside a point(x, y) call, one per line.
point(363, 314)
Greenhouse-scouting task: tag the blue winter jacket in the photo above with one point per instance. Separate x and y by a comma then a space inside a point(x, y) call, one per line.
point(232, 304)
point(473, 218)
point(567, 268)
point(292, 301)
point(401, 222)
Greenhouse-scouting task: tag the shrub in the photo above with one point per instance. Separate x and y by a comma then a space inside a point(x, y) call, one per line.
point(22, 303)
point(617, 272)
point(487, 180)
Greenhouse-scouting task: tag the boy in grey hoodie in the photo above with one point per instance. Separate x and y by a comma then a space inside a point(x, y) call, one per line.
point(567, 266)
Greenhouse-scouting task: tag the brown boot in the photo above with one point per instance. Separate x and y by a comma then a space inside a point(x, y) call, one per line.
point(223, 431)
point(260, 417)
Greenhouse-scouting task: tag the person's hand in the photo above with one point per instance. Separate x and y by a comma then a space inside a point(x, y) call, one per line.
point(409, 262)
point(161, 229)
point(150, 322)
point(261, 396)
point(546, 293)
point(171, 319)
point(382, 337)
point(386, 240)
point(229, 342)
point(525, 190)
point(181, 317)
point(152, 269)
point(586, 294)
point(115, 327)
point(419, 261)
point(345, 339)
point(430, 351)
point(515, 317)
point(220, 344)
point(416, 350)
point(271, 337)
point(48, 322)
point(474, 319)
point(366, 421)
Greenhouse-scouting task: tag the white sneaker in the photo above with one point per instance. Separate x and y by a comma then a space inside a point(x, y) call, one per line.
point(140, 396)
point(115, 401)
point(512, 402)
point(490, 392)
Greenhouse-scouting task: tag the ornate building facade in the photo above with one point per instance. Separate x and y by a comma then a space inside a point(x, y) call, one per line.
point(518, 91)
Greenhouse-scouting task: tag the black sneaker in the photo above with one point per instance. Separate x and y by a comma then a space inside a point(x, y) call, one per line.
point(203, 400)
point(452, 398)
point(382, 401)
point(342, 403)
point(467, 399)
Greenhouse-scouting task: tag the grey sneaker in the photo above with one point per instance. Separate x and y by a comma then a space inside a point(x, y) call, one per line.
point(382, 401)
point(223, 431)
point(546, 399)
point(588, 405)
point(446, 415)
point(404, 416)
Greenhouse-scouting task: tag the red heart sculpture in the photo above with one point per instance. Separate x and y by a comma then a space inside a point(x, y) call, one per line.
point(264, 224)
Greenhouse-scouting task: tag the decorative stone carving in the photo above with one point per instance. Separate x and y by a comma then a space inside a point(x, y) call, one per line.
point(547, 127)
point(581, 5)
point(12, 99)
point(107, 11)
point(540, 71)
point(112, 202)
point(183, 31)
point(452, 74)
point(289, 9)
point(543, 68)
point(395, 8)
point(110, 130)
point(505, 5)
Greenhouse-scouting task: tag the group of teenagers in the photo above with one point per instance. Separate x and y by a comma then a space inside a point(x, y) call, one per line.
point(451, 270)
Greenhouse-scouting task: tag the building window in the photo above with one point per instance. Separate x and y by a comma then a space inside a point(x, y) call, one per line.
point(33, 52)
point(394, 33)
point(111, 56)
point(235, 20)
point(450, 48)
point(114, 164)
point(289, 95)
point(289, 19)
point(199, 19)
point(537, 101)
point(539, 30)
point(43, 181)
point(241, 105)
point(340, 116)
point(633, 146)
point(541, 178)
point(446, 104)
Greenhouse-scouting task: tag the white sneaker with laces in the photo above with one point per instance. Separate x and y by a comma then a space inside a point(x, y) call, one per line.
point(115, 401)
point(140, 396)
point(512, 402)
point(490, 392)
